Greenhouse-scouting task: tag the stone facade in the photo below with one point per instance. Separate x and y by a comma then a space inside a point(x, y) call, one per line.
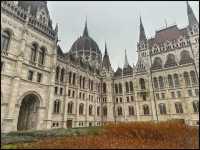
point(43, 87)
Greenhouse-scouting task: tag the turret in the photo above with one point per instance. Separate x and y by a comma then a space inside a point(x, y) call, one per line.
point(106, 60)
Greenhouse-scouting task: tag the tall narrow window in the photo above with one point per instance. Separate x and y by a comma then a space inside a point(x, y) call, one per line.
point(30, 75)
point(162, 108)
point(146, 109)
point(56, 109)
point(142, 83)
point(70, 108)
point(131, 86)
point(80, 80)
point(131, 110)
point(41, 56)
point(104, 87)
point(81, 108)
point(57, 72)
point(116, 88)
point(120, 88)
point(90, 110)
point(70, 77)
point(5, 39)
point(83, 82)
point(170, 81)
point(193, 77)
point(39, 77)
point(176, 80)
point(155, 81)
point(74, 79)
point(161, 82)
point(98, 111)
point(127, 88)
point(195, 106)
point(33, 52)
point(186, 78)
point(62, 74)
point(178, 107)
point(104, 111)
point(119, 110)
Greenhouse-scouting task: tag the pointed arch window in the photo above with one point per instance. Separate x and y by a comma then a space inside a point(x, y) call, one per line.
point(116, 88)
point(57, 72)
point(146, 109)
point(131, 86)
point(195, 105)
point(56, 108)
point(120, 88)
point(127, 88)
point(131, 110)
point(98, 111)
point(90, 110)
point(142, 83)
point(104, 87)
point(162, 108)
point(193, 77)
point(157, 63)
point(104, 111)
point(171, 61)
point(185, 58)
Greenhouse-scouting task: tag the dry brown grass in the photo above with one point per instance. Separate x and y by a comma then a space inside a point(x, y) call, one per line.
point(164, 135)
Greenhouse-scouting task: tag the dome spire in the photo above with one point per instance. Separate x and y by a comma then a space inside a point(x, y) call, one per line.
point(106, 53)
point(85, 32)
point(106, 60)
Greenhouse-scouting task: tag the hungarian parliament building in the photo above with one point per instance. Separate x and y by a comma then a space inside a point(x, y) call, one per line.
point(43, 87)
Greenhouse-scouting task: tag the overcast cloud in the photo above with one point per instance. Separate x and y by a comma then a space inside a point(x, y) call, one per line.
point(117, 23)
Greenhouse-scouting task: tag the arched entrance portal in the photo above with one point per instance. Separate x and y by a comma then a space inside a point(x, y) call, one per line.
point(28, 113)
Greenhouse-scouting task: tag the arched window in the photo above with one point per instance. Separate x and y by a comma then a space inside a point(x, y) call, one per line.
point(56, 108)
point(142, 83)
point(91, 85)
point(62, 74)
point(33, 52)
point(131, 110)
point(178, 107)
point(127, 88)
point(119, 111)
point(170, 81)
point(193, 77)
point(120, 88)
point(70, 77)
point(195, 106)
point(57, 72)
point(5, 39)
point(170, 61)
point(185, 58)
point(162, 109)
point(74, 79)
point(81, 109)
point(90, 110)
point(41, 56)
point(186, 78)
point(131, 86)
point(161, 82)
point(104, 87)
point(157, 63)
point(146, 109)
point(116, 88)
point(155, 82)
point(176, 80)
point(98, 111)
point(104, 111)
point(70, 108)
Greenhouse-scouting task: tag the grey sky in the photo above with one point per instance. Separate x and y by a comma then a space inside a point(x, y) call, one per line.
point(117, 23)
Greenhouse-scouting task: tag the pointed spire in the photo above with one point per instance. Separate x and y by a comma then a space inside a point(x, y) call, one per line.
point(191, 17)
point(85, 32)
point(142, 35)
point(106, 53)
point(126, 60)
point(106, 60)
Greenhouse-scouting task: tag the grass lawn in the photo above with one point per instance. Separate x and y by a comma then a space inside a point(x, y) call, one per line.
point(138, 135)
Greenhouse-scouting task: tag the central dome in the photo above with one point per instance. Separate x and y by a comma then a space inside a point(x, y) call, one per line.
point(86, 47)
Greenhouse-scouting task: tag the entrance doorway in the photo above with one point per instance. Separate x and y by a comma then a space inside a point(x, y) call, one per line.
point(28, 113)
